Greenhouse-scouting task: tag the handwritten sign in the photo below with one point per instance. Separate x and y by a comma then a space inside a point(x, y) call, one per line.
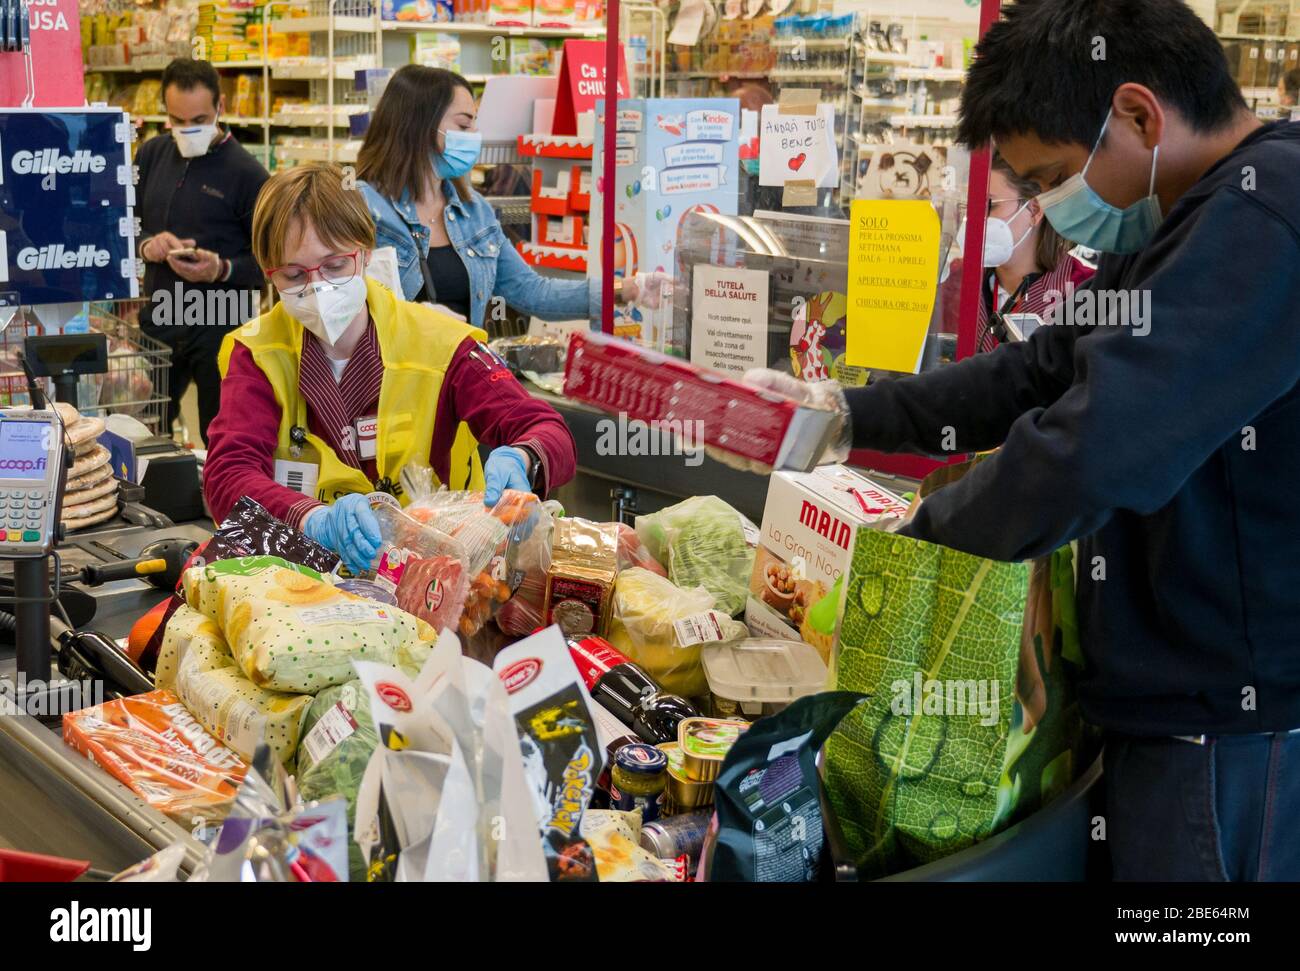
point(893, 277)
point(797, 147)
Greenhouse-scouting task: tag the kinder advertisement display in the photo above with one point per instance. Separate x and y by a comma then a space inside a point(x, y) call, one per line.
point(673, 156)
point(809, 524)
point(67, 226)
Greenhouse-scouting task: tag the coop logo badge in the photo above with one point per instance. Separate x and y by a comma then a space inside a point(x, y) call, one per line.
point(56, 256)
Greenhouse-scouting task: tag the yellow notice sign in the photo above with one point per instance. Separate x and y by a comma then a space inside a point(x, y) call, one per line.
point(893, 278)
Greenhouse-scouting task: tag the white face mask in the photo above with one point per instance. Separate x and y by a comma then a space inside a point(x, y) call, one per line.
point(999, 243)
point(194, 140)
point(326, 310)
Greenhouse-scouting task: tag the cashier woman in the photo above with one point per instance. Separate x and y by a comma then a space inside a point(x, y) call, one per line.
point(330, 394)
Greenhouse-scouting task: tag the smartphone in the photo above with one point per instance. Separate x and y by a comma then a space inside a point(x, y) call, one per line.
point(1022, 326)
point(188, 253)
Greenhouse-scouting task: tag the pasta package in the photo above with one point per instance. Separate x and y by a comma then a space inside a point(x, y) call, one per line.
point(290, 630)
point(196, 663)
point(156, 748)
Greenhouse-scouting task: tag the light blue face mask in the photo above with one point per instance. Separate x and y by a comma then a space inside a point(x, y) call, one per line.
point(460, 152)
point(1076, 211)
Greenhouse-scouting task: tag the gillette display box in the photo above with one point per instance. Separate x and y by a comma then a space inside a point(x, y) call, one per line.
point(809, 524)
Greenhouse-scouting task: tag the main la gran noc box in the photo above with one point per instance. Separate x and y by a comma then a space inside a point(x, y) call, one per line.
point(68, 227)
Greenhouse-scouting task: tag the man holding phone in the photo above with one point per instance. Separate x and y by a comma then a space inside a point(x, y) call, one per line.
point(197, 190)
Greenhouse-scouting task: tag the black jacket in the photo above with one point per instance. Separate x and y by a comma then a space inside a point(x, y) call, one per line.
point(209, 199)
point(1173, 457)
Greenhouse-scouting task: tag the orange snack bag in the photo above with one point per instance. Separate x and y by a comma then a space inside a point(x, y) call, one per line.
point(156, 748)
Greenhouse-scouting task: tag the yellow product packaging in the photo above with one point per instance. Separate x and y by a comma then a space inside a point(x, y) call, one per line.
point(663, 628)
point(289, 630)
point(195, 663)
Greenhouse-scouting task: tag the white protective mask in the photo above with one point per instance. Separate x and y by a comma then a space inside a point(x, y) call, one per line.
point(999, 242)
point(325, 309)
point(194, 140)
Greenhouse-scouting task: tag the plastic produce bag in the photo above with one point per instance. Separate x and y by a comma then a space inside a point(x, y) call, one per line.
point(249, 530)
point(615, 838)
point(632, 552)
point(339, 738)
point(702, 542)
point(524, 612)
point(663, 628)
point(291, 631)
point(271, 837)
point(443, 796)
point(423, 566)
point(196, 663)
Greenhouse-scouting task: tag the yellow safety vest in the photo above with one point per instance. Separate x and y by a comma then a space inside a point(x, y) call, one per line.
point(416, 344)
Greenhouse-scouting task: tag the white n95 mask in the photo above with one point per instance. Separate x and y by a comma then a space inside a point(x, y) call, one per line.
point(326, 309)
point(194, 140)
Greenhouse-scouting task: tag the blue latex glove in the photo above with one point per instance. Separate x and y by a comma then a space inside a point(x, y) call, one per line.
point(506, 469)
point(348, 528)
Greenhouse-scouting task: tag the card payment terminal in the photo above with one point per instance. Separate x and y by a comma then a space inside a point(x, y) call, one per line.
point(31, 472)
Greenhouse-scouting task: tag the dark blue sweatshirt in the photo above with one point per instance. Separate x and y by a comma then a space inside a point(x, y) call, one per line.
point(1173, 457)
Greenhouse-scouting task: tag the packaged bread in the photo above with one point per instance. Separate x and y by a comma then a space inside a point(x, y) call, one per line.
point(291, 630)
point(197, 665)
point(156, 748)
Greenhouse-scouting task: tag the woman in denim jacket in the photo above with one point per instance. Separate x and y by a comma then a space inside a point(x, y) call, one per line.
point(415, 164)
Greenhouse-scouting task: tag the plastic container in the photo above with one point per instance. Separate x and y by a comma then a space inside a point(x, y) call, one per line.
point(760, 676)
point(705, 743)
point(682, 794)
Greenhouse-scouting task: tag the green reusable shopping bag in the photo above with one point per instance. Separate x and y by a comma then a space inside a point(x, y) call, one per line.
point(945, 752)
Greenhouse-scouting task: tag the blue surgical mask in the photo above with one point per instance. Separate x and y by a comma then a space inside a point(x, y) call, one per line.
point(460, 152)
point(1076, 211)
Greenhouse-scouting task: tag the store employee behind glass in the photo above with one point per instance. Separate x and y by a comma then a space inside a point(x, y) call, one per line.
point(197, 189)
point(342, 384)
point(415, 162)
point(1169, 451)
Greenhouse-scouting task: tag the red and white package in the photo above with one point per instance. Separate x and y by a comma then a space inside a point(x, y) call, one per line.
point(621, 377)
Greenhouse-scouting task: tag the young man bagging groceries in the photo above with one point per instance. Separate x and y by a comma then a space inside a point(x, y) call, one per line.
point(1164, 437)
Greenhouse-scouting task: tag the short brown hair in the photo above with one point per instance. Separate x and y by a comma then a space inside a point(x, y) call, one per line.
point(313, 192)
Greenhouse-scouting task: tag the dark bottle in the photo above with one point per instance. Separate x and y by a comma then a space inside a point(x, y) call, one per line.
point(629, 694)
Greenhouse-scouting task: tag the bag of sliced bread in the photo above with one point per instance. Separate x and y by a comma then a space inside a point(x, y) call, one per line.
point(289, 629)
point(196, 664)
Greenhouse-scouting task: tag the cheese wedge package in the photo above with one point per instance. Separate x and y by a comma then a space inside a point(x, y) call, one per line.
point(196, 663)
point(289, 629)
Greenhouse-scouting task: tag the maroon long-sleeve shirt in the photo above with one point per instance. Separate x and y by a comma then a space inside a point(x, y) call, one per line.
point(477, 390)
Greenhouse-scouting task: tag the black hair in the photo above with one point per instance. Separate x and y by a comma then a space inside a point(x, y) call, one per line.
point(187, 74)
point(1051, 67)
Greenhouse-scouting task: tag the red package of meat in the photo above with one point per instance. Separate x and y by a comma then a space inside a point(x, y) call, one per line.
point(423, 566)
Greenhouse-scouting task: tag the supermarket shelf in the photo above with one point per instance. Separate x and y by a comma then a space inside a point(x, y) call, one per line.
point(553, 257)
point(148, 65)
point(321, 25)
point(822, 43)
point(555, 146)
point(310, 119)
point(1262, 38)
point(512, 210)
point(715, 75)
point(871, 101)
point(954, 74)
point(923, 121)
point(316, 153)
point(236, 120)
point(452, 27)
point(500, 153)
point(795, 74)
point(317, 72)
point(883, 57)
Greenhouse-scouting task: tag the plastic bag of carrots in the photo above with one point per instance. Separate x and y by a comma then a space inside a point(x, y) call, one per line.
point(490, 537)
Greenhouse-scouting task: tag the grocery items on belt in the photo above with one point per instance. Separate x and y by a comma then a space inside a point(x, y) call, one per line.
point(156, 748)
point(613, 837)
point(249, 530)
point(628, 692)
point(705, 742)
point(423, 566)
point(270, 838)
point(682, 794)
point(196, 663)
point(702, 542)
point(637, 779)
point(338, 739)
point(580, 579)
point(557, 735)
point(632, 552)
point(663, 627)
point(621, 377)
point(669, 837)
point(809, 524)
point(444, 796)
point(767, 797)
point(90, 492)
point(541, 354)
point(368, 590)
point(291, 631)
point(759, 676)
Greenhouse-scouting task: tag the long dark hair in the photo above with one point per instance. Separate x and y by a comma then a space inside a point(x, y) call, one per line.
point(1050, 247)
point(403, 133)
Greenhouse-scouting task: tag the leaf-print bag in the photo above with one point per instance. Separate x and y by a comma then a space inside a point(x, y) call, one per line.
point(972, 721)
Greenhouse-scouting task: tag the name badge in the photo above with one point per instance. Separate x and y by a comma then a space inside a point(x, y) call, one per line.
point(298, 476)
point(367, 436)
